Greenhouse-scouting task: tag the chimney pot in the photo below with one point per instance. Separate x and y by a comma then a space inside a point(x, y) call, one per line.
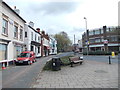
point(38, 30)
point(14, 7)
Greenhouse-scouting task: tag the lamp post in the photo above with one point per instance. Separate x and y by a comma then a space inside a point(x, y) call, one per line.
point(86, 34)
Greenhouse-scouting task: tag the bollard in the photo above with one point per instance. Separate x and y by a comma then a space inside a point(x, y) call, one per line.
point(113, 54)
point(109, 60)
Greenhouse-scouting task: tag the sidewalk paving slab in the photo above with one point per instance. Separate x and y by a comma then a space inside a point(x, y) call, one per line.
point(91, 74)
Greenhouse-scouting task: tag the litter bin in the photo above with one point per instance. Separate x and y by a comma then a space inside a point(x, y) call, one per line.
point(56, 64)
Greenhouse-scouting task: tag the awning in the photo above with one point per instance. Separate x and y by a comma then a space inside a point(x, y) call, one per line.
point(35, 43)
point(4, 41)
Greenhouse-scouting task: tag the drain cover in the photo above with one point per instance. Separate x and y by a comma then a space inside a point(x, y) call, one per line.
point(100, 71)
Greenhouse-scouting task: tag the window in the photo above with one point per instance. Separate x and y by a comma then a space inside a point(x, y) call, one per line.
point(5, 27)
point(97, 31)
point(3, 51)
point(35, 37)
point(92, 40)
point(101, 31)
point(108, 30)
point(91, 33)
point(97, 40)
point(25, 34)
point(21, 34)
point(114, 38)
point(15, 32)
point(31, 36)
point(38, 49)
point(38, 39)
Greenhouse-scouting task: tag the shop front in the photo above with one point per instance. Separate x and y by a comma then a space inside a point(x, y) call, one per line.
point(4, 49)
point(18, 48)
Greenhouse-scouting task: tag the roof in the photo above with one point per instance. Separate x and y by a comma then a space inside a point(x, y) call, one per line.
point(13, 11)
point(33, 29)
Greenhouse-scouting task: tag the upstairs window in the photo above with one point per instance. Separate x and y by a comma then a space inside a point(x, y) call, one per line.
point(97, 31)
point(21, 34)
point(15, 31)
point(97, 40)
point(5, 27)
point(35, 37)
point(101, 31)
point(91, 33)
point(31, 36)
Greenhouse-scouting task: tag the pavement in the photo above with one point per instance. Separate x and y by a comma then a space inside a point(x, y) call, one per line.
point(91, 74)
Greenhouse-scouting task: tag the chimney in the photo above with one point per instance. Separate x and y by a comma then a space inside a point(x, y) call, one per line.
point(16, 10)
point(38, 30)
point(43, 32)
point(31, 24)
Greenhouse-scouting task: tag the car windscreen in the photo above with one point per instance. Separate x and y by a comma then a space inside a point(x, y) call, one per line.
point(24, 55)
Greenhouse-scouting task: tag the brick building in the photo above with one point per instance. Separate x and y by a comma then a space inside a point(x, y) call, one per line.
point(102, 39)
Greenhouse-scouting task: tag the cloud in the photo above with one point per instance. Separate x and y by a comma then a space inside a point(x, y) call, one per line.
point(53, 8)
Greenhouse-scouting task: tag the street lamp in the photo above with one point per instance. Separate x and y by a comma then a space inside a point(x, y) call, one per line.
point(86, 34)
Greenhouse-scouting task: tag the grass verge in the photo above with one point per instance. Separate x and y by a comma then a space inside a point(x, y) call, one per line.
point(64, 62)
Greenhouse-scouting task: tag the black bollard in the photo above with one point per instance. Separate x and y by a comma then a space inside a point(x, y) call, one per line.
point(109, 60)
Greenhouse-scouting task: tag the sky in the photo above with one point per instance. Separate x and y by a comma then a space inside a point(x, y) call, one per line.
point(54, 16)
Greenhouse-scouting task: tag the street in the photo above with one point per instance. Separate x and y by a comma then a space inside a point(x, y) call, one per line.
point(101, 58)
point(23, 76)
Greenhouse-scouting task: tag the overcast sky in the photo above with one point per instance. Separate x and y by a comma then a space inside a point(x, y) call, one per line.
point(55, 16)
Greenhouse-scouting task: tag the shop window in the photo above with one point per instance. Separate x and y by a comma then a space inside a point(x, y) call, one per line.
point(18, 50)
point(3, 51)
point(5, 27)
point(32, 48)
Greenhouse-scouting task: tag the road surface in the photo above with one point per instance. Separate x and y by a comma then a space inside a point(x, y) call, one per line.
point(23, 76)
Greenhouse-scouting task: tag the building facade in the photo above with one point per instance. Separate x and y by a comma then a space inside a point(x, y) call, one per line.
point(45, 44)
point(102, 39)
point(53, 45)
point(32, 39)
point(11, 33)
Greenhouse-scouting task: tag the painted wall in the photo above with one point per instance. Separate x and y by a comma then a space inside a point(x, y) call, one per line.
point(12, 17)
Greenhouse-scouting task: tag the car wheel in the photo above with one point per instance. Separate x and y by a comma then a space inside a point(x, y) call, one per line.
point(16, 64)
point(29, 62)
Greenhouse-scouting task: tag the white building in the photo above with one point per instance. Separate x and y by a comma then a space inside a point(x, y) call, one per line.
point(32, 39)
point(11, 33)
point(53, 45)
point(45, 49)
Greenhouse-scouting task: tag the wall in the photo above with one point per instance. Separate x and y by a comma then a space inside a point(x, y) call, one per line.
point(11, 18)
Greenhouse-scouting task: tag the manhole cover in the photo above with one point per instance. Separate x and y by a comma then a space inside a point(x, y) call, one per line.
point(100, 71)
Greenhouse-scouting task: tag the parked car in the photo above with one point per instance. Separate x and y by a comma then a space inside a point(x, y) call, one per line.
point(38, 55)
point(26, 57)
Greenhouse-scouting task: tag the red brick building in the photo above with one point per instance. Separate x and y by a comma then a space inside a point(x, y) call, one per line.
point(102, 39)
